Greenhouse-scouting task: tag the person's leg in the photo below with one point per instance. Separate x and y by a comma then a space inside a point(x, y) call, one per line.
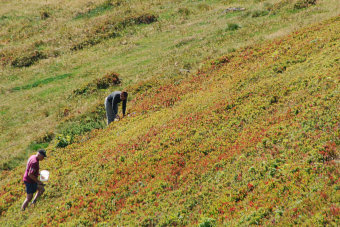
point(109, 112)
point(41, 190)
point(31, 188)
point(115, 110)
point(27, 200)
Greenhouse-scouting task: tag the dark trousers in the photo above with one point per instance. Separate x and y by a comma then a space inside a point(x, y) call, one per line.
point(110, 111)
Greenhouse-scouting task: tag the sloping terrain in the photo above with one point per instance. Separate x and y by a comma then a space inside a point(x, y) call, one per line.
point(50, 49)
point(251, 138)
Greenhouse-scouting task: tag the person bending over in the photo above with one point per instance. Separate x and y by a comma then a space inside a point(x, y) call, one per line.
point(31, 180)
point(111, 105)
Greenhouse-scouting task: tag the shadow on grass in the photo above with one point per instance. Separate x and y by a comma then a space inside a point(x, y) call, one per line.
point(41, 82)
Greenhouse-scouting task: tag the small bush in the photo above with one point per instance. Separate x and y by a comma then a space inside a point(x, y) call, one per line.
point(233, 27)
point(280, 68)
point(148, 221)
point(274, 99)
point(63, 140)
point(44, 15)
point(70, 130)
point(28, 60)
point(73, 129)
point(209, 222)
point(145, 19)
point(110, 79)
point(302, 4)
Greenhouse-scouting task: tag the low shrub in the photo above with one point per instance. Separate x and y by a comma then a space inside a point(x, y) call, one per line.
point(279, 68)
point(144, 19)
point(73, 129)
point(208, 222)
point(76, 126)
point(302, 4)
point(28, 60)
point(62, 140)
point(233, 27)
point(110, 79)
point(44, 14)
point(148, 221)
point(112, 29)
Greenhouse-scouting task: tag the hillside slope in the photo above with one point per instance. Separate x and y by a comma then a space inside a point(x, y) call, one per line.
point(252, 138)
point(50, 49)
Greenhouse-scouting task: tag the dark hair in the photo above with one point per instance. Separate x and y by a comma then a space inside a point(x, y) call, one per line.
point(125, 94)
point(42, 152)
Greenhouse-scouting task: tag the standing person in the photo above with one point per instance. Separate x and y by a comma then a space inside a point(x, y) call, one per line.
point(111, 105)
point(31, 178)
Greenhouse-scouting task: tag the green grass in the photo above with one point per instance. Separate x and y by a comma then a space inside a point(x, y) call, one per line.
point(141, 53)
point(237, 143)
point(42, 82)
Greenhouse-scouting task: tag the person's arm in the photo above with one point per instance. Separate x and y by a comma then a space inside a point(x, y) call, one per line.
point(34, 178)
point(124, 107)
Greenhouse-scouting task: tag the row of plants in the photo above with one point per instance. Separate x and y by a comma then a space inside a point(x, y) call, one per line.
point(97, 28)
point(111, 29)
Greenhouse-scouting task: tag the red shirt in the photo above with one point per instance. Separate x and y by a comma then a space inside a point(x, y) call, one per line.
point(31, 168)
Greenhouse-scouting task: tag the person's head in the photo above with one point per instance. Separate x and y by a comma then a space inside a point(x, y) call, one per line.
point(41, 154)
point(123, 95)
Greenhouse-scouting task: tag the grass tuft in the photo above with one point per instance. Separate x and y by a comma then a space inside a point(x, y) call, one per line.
point(233, 27)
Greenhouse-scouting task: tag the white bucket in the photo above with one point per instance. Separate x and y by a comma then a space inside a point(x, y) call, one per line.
point(44, 175)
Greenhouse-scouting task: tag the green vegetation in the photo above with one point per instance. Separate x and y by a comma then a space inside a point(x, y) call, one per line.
point(155, 39)
point(42, 82)
point(249, 147)
point(97, 10)
point(249, 138)
point(232, 27)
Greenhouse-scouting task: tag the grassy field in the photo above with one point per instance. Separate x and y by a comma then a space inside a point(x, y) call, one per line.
point(233, 116)
point(250, 139)
point(49, 49)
